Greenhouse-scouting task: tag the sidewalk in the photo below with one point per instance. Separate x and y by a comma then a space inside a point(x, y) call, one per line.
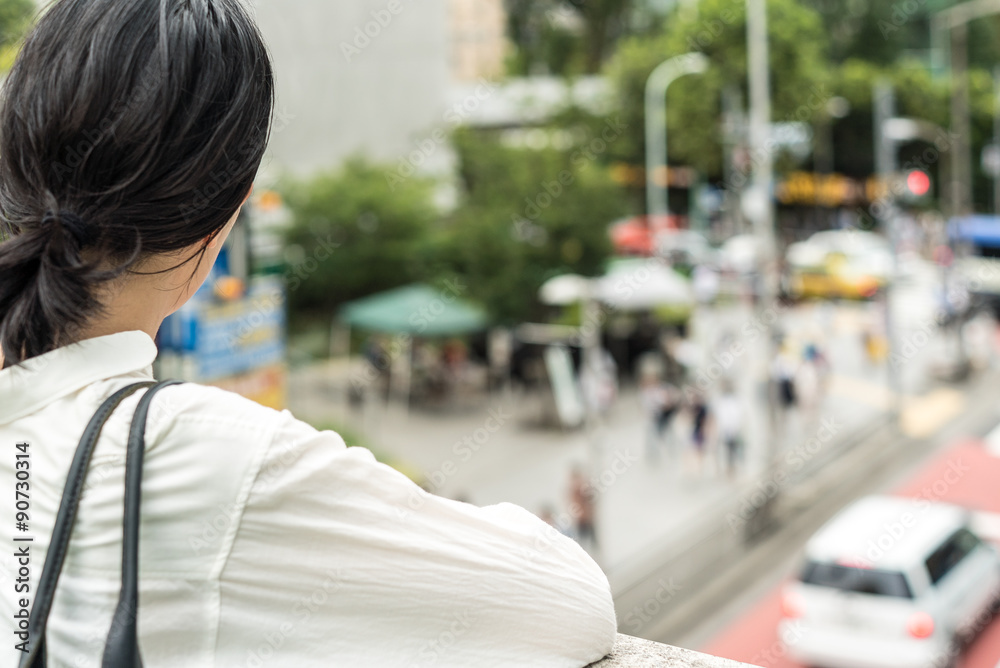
point(487, 455)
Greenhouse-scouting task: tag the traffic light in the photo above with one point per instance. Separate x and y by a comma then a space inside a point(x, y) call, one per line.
point(918, 183)
point(917, 186)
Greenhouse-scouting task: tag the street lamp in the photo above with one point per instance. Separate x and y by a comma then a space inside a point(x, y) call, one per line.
point(656, 126)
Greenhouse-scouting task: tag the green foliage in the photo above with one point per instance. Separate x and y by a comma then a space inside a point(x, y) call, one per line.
point(15, 18)
point(555, 45)
point(876, 31)
point(883, 31)
point(918, 95)
point(526, 215)
point(798, 75)
point(529, 214)
point(380, 236)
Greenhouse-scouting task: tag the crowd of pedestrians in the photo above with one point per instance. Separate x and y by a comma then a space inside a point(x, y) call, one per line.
point(695, 429)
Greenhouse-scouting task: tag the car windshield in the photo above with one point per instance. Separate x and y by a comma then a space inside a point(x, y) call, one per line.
point(856, 580)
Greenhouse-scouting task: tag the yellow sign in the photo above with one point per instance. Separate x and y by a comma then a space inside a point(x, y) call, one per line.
point(829, 190)
point(266, 385)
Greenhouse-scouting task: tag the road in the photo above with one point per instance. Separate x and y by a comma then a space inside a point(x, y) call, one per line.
point(965, 473)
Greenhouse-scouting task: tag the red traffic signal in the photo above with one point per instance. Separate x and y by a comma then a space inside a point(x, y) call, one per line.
point(918, 183)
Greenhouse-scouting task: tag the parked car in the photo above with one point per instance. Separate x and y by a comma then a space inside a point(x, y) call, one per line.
point(890, 583)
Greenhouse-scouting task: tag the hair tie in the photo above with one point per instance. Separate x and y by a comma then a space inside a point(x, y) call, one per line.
point(72, 223)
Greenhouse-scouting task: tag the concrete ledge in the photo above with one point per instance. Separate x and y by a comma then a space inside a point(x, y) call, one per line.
point(632, 652)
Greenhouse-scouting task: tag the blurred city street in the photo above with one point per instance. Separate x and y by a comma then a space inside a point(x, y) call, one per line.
point(647, 506)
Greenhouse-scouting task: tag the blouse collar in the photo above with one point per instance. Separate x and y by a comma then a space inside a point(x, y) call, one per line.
point(39, 381)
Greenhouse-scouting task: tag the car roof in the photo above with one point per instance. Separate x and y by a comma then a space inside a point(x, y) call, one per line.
point(871, 532)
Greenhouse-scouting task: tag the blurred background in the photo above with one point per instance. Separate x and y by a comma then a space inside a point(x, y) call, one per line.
point(710, 286)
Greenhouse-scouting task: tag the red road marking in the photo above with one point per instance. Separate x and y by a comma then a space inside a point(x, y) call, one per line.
point(754, 638)
point(966, 474)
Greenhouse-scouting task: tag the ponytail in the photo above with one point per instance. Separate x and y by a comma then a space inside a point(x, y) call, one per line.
point(47, 289)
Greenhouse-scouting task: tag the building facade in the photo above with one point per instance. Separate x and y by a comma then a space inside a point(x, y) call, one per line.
point(361, 77)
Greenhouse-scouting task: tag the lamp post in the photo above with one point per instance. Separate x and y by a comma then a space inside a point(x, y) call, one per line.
point(656, 125)
point(758, 202)
point(886, 143)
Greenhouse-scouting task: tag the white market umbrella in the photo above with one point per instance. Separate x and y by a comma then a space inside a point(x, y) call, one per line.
point(565, 289)
point(644, 284)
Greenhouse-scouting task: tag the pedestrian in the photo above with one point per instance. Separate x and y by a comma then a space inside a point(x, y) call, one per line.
point(131, 133)
point(729, 426)
point(548, 515)
point(599, 381)
point(699, 428)
point(783, 369)
point(582, 500)
point(810, 384)
point(661, 403)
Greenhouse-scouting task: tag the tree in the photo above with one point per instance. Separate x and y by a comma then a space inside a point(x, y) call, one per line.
point(883, 31)
point(15, 19)
point(528, 214)
point(799, 75)
point(565, 36)
point(604, 22)
point(352, 236)
point(918, 95)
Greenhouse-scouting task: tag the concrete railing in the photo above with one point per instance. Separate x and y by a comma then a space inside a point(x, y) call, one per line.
point(632, 652)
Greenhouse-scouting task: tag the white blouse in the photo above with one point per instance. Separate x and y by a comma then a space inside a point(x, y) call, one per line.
point(267, 543)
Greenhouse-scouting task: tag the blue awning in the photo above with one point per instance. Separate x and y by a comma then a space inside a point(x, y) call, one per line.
point(981, 230)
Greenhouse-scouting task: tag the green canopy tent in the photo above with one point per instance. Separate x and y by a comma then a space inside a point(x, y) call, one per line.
point(415, 310)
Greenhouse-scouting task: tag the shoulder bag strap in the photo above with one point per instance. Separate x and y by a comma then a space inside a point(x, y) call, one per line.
point(65, 518)
point(122, 647)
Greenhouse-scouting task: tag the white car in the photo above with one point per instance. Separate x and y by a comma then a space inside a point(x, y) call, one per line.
point(890, 583)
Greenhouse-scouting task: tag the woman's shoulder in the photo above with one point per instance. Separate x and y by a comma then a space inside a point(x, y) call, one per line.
point(194, 404)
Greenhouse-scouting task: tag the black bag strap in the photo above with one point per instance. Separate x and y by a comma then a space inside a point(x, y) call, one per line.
point(122, 647)
point(35, 657)
point(65, 518)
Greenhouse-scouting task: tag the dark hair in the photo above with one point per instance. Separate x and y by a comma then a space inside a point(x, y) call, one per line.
point(129, 128)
